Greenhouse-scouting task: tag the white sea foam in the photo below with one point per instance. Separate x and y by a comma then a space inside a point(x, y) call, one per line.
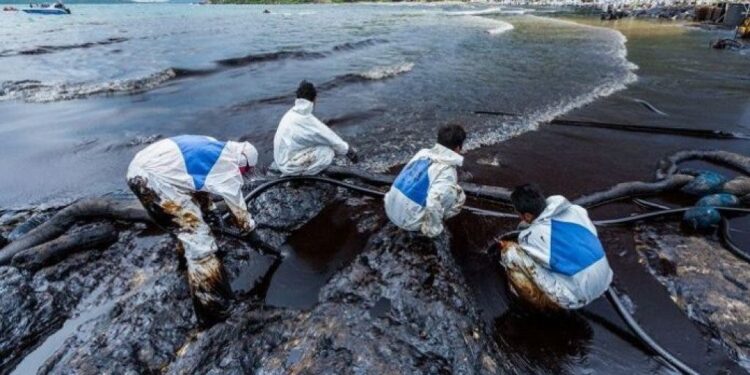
point(383, 72)
point(38, 92)
point(501, 28)
point(516, 11)
point(491, 25)
point(495, 10)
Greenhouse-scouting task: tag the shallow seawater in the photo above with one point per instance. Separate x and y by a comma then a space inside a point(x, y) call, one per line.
point(81, 94)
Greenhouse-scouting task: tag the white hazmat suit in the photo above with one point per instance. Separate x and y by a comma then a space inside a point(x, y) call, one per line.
point(175, 168)
point(303, 145)
point(171, 177)
point(562, 255)
point(426, 191)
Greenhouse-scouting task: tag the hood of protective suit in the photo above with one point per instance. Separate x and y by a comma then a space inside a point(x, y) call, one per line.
point(443, 155)
point(303, 106)
point(247, 155)
point(556, 205)
point(303, 145)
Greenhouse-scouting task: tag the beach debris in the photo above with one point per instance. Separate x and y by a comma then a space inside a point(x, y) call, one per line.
point(706, 182)
point(92, 236)
point(726, 44)
point(743, 31)
point(701, 220)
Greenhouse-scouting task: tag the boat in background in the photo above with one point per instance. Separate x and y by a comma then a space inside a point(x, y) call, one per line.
point(57, 8)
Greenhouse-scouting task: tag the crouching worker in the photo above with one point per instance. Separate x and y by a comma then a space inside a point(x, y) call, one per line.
point(426, 191)
point(303, 145)
point(558, 261)
point(173, 178)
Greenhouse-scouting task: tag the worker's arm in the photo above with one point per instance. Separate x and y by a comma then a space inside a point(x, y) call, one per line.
point(226, 181)
point(534, 241)
point(238, 207)
point(444, 199)
point(321, 134)
point(458, 202)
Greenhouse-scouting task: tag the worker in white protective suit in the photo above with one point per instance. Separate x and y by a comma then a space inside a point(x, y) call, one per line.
point(426, 191)
point(303, 145)
point(173, 179)
point(558, 261)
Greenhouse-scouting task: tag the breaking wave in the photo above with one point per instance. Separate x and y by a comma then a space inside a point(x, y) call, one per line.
point(38, 92)
point(494, 10)
point(41, 50)
point(298, 55)
point(41, 92)
point(531, 121)
point(491, 25)
point(374, 74)
point(501, 28)
point(349, 46)
point(271, 56)
point(387, 71)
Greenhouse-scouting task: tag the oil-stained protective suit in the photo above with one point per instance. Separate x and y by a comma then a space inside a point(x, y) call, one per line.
point(426, 192)
point(561, 255)
point(303, 145)
point(172, 178)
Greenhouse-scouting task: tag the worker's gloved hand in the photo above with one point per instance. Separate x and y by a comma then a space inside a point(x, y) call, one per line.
point(352, 155)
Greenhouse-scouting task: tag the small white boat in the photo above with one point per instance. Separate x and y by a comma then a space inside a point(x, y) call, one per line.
point(56, 9)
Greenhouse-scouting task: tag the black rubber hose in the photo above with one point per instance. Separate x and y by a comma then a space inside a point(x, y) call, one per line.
point(478, 211)
point(671, 211)
point(726, 238)
point(614, 299)
point(649, 204)
point(367, 191)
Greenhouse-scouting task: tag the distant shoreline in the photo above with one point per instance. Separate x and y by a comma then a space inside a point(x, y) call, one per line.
point(278, 2)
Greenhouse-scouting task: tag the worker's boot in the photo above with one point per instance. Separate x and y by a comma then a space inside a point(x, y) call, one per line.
point(210, 290)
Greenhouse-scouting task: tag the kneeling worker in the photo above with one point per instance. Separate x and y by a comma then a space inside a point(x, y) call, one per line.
point(558, 261)
point(303, 145)
point(426, 191)
point(171, 178)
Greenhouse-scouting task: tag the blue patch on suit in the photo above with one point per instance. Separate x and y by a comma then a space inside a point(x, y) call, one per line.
point(573, 248)
point(200, 154)
point(414, 181)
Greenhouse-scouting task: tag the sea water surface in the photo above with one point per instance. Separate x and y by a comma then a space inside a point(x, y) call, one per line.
point(80, 94)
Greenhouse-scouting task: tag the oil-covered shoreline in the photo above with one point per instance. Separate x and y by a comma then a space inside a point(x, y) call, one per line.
point(378, 300)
